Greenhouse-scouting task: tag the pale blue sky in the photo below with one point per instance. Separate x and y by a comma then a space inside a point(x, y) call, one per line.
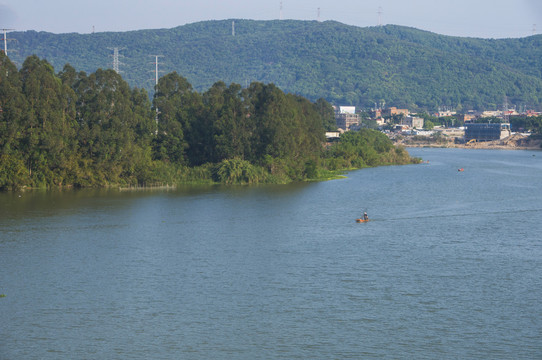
point(474, 18)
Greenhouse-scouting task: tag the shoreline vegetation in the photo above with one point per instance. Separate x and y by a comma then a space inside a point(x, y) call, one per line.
point(73, 130)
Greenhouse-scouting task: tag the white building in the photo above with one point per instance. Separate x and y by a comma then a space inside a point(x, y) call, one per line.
point(347, 109)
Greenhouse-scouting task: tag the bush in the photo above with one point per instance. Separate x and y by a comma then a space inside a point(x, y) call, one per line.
point(238, 171)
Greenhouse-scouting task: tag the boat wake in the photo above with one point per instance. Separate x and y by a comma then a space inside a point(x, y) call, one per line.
point(458, 215)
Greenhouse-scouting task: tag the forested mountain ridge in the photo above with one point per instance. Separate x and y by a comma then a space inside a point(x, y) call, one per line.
point(344, 64)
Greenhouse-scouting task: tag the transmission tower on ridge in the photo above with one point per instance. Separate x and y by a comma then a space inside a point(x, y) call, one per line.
point(6, 40)
point(156, 85)
point(116, 57)
point(379, 16)
point(156, 68)
point(280, 13)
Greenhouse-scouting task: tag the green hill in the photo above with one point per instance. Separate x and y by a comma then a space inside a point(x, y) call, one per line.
point(346, 65)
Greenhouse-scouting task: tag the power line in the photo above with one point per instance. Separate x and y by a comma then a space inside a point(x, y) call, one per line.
point(116, 57)
point(155, 87)
point(156, 68)
point(6, 40)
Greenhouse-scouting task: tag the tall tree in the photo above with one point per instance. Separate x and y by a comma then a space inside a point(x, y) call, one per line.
point(232, 134)
point(175, 104)
point(327, 114)
point(13, 171)
point(49, 126)
point(109, 123)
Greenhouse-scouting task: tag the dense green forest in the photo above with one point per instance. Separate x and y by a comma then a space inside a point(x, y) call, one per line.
point(346, 65)
point(85, 130)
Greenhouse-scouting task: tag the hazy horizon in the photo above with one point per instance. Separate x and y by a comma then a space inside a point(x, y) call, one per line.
point(482, 19)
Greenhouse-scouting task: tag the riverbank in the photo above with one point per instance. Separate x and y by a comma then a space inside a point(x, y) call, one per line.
point(513, 142)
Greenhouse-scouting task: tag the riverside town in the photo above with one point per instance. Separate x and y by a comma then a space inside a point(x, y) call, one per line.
point(445, 128)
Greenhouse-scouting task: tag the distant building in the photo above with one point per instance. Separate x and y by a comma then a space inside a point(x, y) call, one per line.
point(333, 135)
point(466, 117)
point(413, 122)
point(489, 113)
point(394, 111)
point(423, 132)
point(347, 109)
point(375, 114)
point(486, 132)
point(532, 113)
point(401, 128)
point(446, 113)
point(346, 117)
point(346, 121)
point(380, 121)
point(510, 112)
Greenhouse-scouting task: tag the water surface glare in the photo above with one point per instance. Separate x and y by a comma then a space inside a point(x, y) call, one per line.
point(450, 266)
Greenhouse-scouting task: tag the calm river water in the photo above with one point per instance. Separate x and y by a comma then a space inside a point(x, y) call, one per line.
point(450, 267)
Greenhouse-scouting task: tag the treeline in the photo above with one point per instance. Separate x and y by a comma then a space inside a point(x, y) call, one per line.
point(74, 129)
point(532, 124)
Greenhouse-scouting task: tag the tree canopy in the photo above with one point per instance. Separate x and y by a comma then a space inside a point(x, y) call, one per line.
point(74, 129)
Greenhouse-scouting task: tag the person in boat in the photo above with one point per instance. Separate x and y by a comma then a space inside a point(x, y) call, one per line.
point(365, 216)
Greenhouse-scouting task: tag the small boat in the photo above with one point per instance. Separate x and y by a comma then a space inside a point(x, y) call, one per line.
point(460, 169)
point(362, 220)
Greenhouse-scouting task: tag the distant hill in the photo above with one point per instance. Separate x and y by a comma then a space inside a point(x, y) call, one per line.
point(344, 64)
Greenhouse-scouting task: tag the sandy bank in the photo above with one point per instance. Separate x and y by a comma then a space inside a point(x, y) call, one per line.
point(513, 142)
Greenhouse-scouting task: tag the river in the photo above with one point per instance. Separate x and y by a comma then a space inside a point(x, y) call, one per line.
point(449, 267)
